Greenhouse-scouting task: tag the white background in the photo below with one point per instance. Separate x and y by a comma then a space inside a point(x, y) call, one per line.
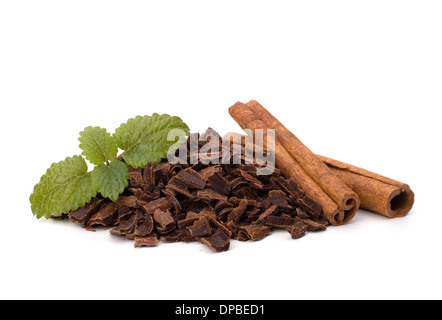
point(359, 81)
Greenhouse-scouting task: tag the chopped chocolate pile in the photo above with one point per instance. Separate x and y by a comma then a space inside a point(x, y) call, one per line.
point(210, 203)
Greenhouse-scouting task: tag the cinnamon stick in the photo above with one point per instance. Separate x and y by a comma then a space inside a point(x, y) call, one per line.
point(379, 194)
point(339, 203)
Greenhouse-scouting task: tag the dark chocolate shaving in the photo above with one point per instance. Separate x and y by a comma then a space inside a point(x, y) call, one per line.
point(209, 194)
point(256, 232)
point(82, 215)
point(191, 179)
point(236, 214)
point(298, 229)
point(136, 178)
point(149, 241)
point(314, 225)
point(200, 201)
point(104, 216)
point(279, 222)
point(200, 228)
point(310, 206)
point(218, 242)
point(145, 227)
point(219, 183)
point(124, 201)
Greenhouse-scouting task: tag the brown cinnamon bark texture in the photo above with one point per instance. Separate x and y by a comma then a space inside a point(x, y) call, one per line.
point(383, 195)
point(377, 193)
point(339, 203)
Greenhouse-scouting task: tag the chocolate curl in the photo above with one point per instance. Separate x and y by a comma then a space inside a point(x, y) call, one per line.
point(313, 176)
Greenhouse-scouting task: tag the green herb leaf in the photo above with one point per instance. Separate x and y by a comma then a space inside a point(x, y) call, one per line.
point(145, 139)
point(111, 180)
point(98, 146)
point(65, 186)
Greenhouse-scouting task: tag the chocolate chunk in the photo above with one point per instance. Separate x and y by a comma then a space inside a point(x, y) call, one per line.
point(185, 233)
point(144, 228)
point(83, 215)
point(210, 195)
point(136, 178)
point(269, 211)
point(223, 214)
point(130, 236)
point(183, 224)
point(208, 212)
point(256, 232)
point(175, 203)
point(279, 222)
point(164, 220)
point(297, 230)
point(252, 213)
point(161, 204)
point(279, 198)
point(104, 216)
point(218, 242)
point(149, 177)
point(191, 179)
point(179, 187)
point(200, 228)
point(251, 180)
point(219, 225)
point(302, 214)
point(219, 183)
point(124, 201)
point(149, 241)
point(242, 236)
point(123, 214)
point(310, 206)
point(140, 195)
point(162, 173)
point(174, 236)
point(313, 225)
point(221, 205)
point(206, 173)
point(245, 192)
point(116, 232)
point(251, 202)
point(237, 182)
point(290, 186)
point(128, 226)
point(236, 214)
point(322, 220)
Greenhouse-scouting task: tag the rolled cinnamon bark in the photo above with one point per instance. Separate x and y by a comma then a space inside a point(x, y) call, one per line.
point(379, 194)
point(339, 203)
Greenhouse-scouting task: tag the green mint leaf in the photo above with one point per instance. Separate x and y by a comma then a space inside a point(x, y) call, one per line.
point(111, 180)
point(145, 139)
point(98, 146)
point(65, 186)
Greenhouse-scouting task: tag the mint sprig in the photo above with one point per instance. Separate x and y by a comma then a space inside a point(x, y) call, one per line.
point(68, 185)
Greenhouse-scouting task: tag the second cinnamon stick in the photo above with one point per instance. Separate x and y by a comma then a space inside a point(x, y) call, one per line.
point(379, 194)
